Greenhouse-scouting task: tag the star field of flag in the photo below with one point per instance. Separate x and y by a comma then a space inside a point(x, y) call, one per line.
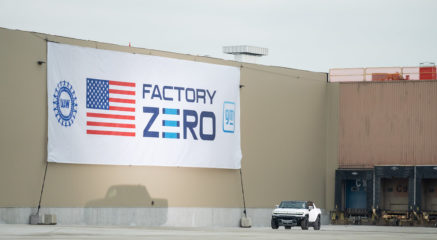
point(97, 94)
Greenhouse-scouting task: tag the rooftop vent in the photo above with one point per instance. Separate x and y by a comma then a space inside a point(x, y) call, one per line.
point(246, 53)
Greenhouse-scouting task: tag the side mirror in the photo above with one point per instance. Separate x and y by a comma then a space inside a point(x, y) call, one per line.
point(310, 208)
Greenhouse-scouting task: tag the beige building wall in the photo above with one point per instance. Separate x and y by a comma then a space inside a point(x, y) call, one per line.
point(332, 129)
point(283, 127)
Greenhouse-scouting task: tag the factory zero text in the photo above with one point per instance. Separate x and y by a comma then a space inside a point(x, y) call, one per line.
point(191, 123)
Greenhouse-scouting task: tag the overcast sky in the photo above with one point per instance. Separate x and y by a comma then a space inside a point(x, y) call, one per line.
point(311, 35)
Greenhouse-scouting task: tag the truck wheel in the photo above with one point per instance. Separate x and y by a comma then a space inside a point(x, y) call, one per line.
point(317, 223)
point(274, 224)
point(287, 227)
point(304, 223)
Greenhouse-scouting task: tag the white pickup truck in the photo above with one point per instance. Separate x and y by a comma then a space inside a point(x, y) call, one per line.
point(296, 213)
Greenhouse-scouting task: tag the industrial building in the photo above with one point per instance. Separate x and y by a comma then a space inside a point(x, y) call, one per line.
point(361, 150)
point(387, 147)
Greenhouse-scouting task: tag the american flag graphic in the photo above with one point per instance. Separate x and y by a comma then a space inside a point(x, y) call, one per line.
point(110, 107)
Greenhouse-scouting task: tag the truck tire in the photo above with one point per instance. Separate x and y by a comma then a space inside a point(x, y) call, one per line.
point(317, 223)
point(287, 227)
point(304, 223)
point(274, 224)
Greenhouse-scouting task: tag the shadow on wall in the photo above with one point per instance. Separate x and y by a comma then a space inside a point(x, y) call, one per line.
point(127, 205)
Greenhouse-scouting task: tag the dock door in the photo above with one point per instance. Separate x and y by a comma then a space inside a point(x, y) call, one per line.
point(429, 193)
point(394, 194)
point(356, 194)
point(353, 192)
point(426, 194)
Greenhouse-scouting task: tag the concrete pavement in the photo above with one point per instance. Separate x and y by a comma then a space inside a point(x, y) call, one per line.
point(12, 231)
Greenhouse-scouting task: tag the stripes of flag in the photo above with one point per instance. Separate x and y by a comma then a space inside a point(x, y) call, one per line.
point(110, 107)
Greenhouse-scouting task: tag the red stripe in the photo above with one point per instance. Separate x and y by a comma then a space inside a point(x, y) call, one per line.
point(126, 84)
point(121, 100)
point(103, 115)
point(104, 124)
point(126, 109)
point(128, 134)
point(125, 92)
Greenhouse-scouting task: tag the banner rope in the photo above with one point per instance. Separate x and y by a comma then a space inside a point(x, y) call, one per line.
point(242, 191)
point(42, 188)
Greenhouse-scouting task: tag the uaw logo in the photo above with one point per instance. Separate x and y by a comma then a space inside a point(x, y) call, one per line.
point(65, 103)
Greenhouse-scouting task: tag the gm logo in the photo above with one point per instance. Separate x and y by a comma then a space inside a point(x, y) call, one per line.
point(229, 117)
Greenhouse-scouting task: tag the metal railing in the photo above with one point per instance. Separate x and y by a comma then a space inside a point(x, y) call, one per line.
point(382, 74)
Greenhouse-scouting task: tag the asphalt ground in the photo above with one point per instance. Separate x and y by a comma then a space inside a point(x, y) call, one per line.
point(11, 231)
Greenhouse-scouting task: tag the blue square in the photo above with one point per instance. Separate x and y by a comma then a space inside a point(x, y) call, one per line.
point(229, 117)
point(97, 94)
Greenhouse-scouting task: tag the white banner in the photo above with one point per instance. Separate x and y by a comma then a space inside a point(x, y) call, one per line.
point(109, 107)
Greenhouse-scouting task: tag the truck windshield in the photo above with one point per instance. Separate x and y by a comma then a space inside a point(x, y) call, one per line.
point(292, 204)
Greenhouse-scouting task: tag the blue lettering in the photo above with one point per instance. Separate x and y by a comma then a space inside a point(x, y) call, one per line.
point(190, 121)
point(179, 92)
point(229, 115)
point(203, 136)
point(155, 112)
point(193, 95)
point(163, 93)
point(190, 125)
point(166, 93)
point(145, 90)
point(65, 103)
point(156, 93)
point(211, 96)
point(200, 94)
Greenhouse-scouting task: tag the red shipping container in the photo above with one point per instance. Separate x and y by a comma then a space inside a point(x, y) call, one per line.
point(386, 76)
point(427, 71)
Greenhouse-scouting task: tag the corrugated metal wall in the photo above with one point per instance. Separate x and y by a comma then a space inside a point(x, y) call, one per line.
point(388, 123)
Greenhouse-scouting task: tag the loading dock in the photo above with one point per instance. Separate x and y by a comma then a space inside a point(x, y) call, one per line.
point(429, 199)
point(353, 196)
point(394, 194)
point(426, 194)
